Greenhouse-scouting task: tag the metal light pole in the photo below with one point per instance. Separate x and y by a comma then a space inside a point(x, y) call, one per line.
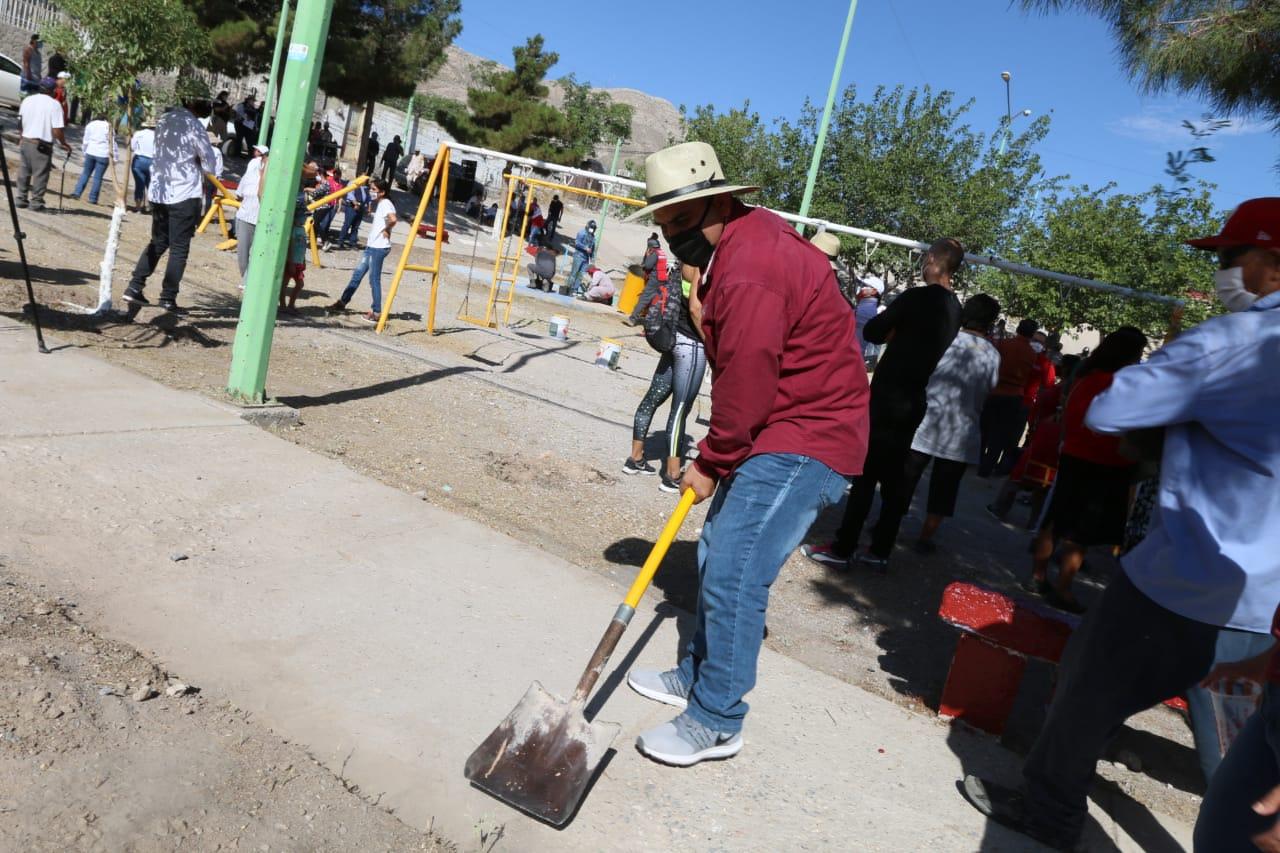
point(268, 105)
point(252, 349)
point(826, 116)
point(604, 208)
point(1008, 110)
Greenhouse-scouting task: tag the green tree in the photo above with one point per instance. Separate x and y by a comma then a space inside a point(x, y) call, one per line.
point(590, 116)
point(906, 163)
point(1131, 240)
point(111, 46)
point(241, 34)
point(1222, 51)
point(508, 112)
point(383, 48)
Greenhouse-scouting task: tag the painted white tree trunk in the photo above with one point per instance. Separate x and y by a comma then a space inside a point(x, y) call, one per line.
point(109, 257)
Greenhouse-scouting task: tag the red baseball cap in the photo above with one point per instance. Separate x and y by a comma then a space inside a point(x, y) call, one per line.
point(1254, 223)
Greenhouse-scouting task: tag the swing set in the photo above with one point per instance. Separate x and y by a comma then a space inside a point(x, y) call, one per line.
point(507, 258)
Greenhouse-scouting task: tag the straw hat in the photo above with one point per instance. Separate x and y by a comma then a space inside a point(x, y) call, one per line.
point(826, 241)
point(682, 173)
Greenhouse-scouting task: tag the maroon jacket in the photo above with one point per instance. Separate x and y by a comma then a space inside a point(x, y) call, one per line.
point(787, 375)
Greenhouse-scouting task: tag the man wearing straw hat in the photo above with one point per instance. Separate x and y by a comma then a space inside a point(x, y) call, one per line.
point(788, 430)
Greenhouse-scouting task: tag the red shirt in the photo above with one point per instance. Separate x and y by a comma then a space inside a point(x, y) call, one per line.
point(1042, 376)
point(787, 374)
point(1080, 441)
point(1017, 359)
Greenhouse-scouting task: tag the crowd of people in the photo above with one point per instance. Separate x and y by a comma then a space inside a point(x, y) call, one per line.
point(797, 427)
point(794, 424)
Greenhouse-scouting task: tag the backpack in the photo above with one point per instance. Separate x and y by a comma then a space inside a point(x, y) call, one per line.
point(661, 316)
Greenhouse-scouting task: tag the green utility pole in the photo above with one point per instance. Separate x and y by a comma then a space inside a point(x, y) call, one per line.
point(604, 208)
point(252, 349)
point(268, 105)
point(826, 116)
point(408, 119)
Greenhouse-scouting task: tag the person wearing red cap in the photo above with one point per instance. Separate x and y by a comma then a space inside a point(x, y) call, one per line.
point(1205, 578)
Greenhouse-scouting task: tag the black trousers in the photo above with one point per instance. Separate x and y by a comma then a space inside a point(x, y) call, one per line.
point(1128, 654)
point(944, 483)
point(885, 467)
point(1002, 422)
point(172, 226)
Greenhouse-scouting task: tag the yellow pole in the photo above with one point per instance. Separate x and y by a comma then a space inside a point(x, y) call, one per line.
point(668, 535)
point(435, 260)
point(310, 229)
point(502, 242)
point(515, 269)
point(442, 159)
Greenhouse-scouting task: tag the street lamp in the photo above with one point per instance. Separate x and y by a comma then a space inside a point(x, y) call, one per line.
point(1008, 111)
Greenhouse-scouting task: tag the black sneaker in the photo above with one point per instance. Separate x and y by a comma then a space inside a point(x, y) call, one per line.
point(867, 560)
point(170, 305)
point(1006, 806)
point(631, 466)
point(135, 297)
point(22, 202)
point(669, 485)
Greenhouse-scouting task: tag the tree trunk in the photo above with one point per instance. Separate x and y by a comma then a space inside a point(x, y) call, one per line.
point(107, 267)
point(366, 125)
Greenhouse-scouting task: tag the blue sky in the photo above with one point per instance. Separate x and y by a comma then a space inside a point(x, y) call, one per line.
point(724, 52)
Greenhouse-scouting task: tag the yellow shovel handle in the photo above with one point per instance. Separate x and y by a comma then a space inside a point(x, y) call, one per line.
point(660, 547)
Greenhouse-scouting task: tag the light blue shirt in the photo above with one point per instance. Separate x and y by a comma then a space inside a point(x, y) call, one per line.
point(1213, 551)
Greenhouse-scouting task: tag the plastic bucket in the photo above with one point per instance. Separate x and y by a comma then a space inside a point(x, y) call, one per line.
point(1234, 701)
point(609, 354)
point(558, 328)
point(632, 287)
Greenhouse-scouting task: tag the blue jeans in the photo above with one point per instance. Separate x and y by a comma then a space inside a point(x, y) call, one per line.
point(324, 219)
point(141, 169)
point(580, 263)
point(1232, 646)
point(757, 518)
point(1250, 769)
point(350, 233)
point(370, 263)
point(95, 167)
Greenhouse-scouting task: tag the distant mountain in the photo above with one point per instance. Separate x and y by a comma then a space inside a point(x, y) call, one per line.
point(654, 121)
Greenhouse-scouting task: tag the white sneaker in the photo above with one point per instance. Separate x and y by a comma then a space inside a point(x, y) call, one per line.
point(684, 742)
point(660, 686)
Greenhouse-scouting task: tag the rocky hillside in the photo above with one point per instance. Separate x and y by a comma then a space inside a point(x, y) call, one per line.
point(654, 121)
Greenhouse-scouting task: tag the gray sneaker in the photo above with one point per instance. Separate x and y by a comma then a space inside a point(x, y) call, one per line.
point(660, 686)
point(684, 742)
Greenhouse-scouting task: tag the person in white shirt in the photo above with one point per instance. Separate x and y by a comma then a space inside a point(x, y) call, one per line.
point(99, 149)
point(182, 156)
point(250, 193)
point(42, 122)
point(143, 146)
point(375, 252)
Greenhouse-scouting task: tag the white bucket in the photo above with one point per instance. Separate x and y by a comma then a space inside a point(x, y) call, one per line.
point(559, 328)
point(609, 354)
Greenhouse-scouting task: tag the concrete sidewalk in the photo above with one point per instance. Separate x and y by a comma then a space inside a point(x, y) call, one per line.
point(389, 636)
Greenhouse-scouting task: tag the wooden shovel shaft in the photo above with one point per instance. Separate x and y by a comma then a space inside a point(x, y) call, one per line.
point(612, 634)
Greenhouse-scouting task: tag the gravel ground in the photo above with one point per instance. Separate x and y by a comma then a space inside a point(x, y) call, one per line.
point(102, 750)
point(522, 432)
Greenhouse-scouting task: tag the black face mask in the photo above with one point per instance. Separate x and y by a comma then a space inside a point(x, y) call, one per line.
point(691, 246)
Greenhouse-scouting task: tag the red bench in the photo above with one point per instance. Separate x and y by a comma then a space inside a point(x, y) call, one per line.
point(998, 634)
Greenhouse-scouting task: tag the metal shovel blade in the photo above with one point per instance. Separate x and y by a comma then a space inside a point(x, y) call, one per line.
point(541, 758)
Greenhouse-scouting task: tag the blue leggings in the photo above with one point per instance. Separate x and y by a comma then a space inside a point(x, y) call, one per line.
point(679, 373)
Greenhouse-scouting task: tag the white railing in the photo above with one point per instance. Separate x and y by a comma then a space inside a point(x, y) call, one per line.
point(27, 14)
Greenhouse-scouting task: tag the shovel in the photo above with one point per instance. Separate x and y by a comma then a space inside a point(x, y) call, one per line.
point(542, 756)
point(62, 185)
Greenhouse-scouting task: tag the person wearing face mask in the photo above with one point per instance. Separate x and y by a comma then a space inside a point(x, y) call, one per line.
point(1206, 569)
point(788, 429)
point(584, 249)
